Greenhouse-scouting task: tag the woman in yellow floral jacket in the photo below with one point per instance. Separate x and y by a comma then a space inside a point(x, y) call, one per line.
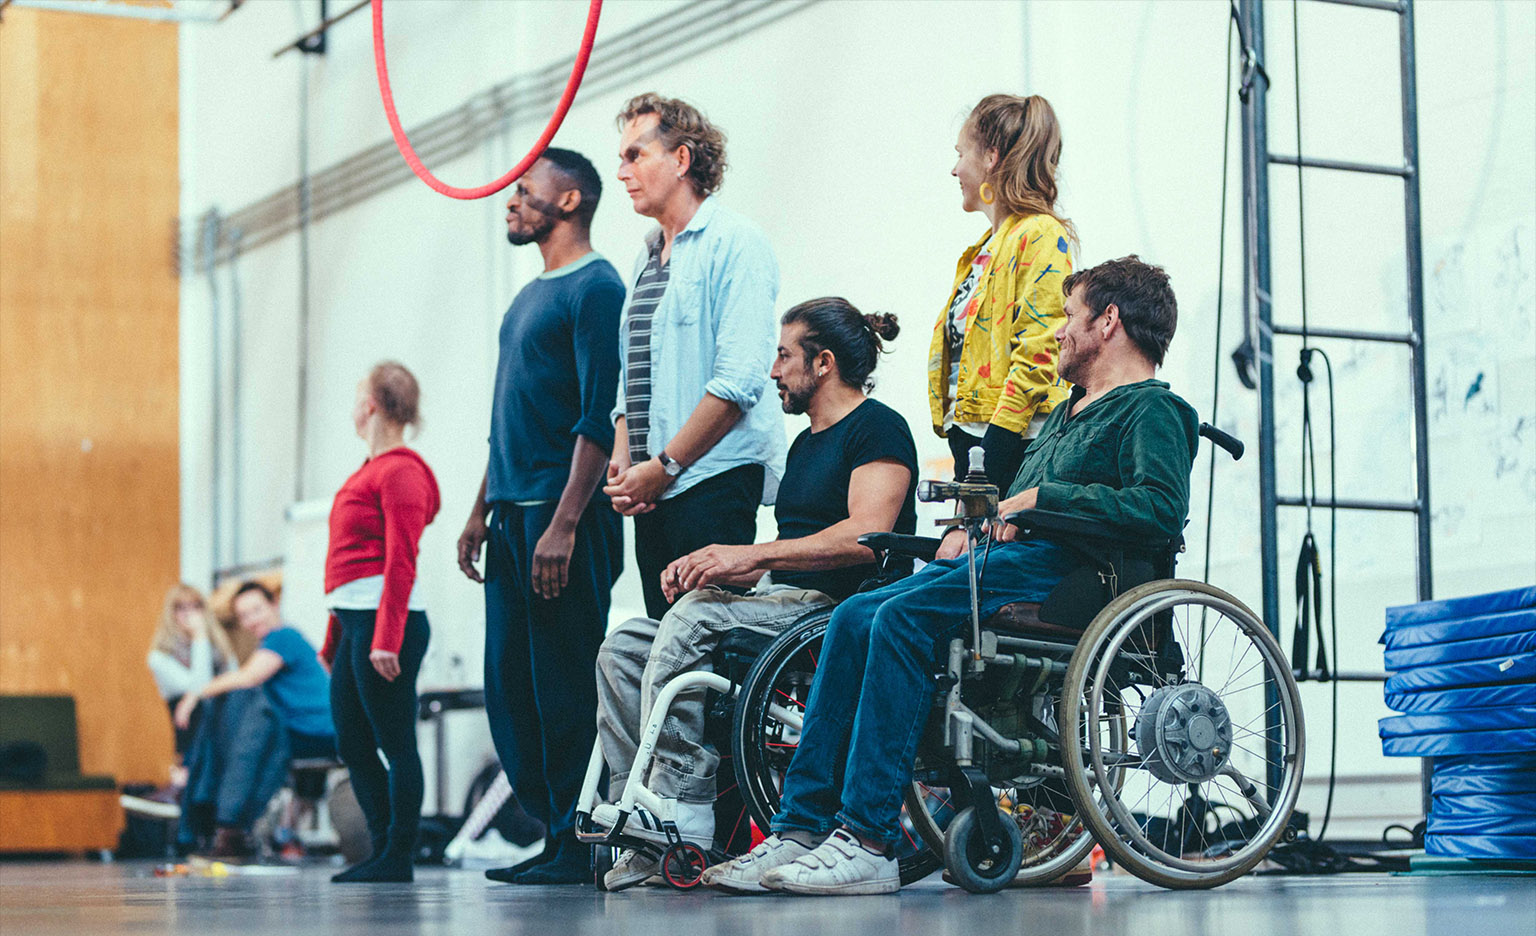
point(992, 365)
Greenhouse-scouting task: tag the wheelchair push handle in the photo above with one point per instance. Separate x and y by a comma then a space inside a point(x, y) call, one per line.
point(1230, 444)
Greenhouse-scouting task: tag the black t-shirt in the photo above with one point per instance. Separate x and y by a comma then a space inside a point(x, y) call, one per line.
point(814, 492)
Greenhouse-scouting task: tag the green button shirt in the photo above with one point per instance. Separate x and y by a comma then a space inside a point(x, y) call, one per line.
point(1124, 460)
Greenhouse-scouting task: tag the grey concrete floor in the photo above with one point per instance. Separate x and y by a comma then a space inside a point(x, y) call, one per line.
point(41, 899)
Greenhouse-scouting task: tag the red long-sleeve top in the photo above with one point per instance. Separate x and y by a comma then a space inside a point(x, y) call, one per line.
point(376, 524)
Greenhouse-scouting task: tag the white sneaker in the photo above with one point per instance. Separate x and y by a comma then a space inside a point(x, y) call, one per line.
point(743, 874)
point(630, 869)
point(695, 821)
point(840, 865)
point(153, 809)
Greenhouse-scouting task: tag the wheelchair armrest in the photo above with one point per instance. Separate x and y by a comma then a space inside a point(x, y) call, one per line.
point(1049, 522)
point(902, 544)
point(1085, 533)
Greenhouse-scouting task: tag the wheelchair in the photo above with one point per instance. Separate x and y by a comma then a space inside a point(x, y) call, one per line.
point(1153, 715)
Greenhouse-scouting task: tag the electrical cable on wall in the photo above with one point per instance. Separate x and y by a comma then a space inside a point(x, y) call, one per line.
point(1308, 567)
point(403, 142)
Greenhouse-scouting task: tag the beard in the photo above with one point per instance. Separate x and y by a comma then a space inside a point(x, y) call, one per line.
point(797, 398)
point(533, 235)
point(1074, 366)
point(548, 215)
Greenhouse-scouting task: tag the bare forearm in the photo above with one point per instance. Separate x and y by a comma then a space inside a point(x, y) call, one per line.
point(833, 548)
point(587, 469)
point(226, 682)
point(480, 507)
point(706, 426)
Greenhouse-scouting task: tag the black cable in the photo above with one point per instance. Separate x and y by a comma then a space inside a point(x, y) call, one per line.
point(1221, 283)
point(1308, 444)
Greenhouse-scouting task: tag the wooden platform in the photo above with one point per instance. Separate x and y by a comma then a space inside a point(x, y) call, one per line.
point(59, 820)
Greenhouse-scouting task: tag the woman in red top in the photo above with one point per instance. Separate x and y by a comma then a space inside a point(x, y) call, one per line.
point(378, 631)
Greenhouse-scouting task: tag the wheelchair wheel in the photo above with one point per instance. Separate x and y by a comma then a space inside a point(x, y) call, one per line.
point(602, 863)
point(683, 864)
point(974, 866)
point(1189, 669)
point(763, 746)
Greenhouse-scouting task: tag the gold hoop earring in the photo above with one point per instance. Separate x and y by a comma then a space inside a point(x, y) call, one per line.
point(986, 194)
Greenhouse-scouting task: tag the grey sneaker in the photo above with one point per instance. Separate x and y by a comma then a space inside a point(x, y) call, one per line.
point(743, 874)
point(840, 865)
point(630, 869)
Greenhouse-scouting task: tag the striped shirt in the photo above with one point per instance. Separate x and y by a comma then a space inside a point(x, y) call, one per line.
point(649, 289)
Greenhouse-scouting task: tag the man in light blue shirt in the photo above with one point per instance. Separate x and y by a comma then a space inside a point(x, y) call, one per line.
point(693, 459)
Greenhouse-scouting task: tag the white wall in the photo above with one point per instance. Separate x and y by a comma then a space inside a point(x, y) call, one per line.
point(841, 122)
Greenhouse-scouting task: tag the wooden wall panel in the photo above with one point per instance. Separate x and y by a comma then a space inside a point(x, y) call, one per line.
point(88, 371)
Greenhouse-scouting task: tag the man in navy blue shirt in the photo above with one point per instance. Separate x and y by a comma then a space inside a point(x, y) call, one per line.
point(555, 545)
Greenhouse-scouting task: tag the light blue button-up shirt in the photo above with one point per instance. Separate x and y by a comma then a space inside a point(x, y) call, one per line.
point(715, 331)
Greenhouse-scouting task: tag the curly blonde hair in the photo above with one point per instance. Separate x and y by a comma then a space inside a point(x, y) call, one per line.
point(681, 124)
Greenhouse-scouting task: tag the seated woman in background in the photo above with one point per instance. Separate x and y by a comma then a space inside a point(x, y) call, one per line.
point(273, 708)
point(189, 649)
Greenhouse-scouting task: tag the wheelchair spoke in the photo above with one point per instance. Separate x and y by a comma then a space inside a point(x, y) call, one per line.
point(790, 697)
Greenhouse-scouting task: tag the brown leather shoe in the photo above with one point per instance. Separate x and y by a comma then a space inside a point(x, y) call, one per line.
point(231, 844)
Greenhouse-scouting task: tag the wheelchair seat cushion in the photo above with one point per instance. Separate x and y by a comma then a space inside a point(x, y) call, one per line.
point(1023, 617)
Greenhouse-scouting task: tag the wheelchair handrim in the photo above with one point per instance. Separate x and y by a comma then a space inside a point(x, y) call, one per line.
point(1130, 619)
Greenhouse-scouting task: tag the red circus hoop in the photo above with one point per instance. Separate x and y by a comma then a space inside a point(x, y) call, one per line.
point(404, 144)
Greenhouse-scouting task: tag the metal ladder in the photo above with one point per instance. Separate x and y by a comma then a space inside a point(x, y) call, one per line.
point(1260, 329)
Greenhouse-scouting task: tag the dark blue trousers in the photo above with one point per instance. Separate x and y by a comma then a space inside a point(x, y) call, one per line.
point(871, 695)
point(540, 654)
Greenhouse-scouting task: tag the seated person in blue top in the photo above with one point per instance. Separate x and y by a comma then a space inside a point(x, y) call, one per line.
point(274, 708)
point(853, 471)
point(1119, 451)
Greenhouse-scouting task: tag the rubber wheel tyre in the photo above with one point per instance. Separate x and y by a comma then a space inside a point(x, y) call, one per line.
point(966, 857)
point(683, 864)
point(1081, 781)
point(602, 863)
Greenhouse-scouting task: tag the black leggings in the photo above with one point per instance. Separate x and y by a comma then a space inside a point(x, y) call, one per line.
point(373, 715)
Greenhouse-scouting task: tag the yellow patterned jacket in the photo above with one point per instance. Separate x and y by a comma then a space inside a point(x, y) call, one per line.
point(1008, 359)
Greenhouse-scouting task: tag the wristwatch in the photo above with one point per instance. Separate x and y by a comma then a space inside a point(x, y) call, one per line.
point(669, 464)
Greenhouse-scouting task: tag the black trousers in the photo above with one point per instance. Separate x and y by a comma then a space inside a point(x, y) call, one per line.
point(717, 510)
point(373, 714)
point(540, 654)
point(1005, 453)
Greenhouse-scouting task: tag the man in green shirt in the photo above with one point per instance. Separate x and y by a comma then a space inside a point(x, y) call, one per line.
point(1118, 452)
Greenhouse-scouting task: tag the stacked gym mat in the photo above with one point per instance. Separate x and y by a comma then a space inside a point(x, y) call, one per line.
point(1463, 673)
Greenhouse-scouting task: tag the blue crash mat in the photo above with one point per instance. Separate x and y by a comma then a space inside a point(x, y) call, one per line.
point(1460, 742)
point(1444, 700)
point(1457, 651)
point(1519, 667)
point(1520, 847)
point(1453, 608)
point(1519, 621)
point(1480, 825)
point(1475, 806)
point(1495, 719)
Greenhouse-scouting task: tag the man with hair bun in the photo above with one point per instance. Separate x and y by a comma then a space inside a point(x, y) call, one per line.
point(694, 454)
point(853, 471)
point(555, 546)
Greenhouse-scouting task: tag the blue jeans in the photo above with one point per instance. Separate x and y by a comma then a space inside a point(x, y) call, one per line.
point(871, 695)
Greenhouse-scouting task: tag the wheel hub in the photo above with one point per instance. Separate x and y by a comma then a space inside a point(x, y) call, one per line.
point(1184, 734)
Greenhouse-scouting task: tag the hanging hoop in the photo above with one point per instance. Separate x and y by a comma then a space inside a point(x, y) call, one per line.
point(985, 192)
point(381, 66)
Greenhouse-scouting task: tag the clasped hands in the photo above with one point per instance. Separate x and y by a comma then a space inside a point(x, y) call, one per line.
point(635, 489)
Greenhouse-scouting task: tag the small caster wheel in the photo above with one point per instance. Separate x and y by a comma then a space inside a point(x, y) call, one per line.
point(602, 863)
point(683, 864)
point(971, 863)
